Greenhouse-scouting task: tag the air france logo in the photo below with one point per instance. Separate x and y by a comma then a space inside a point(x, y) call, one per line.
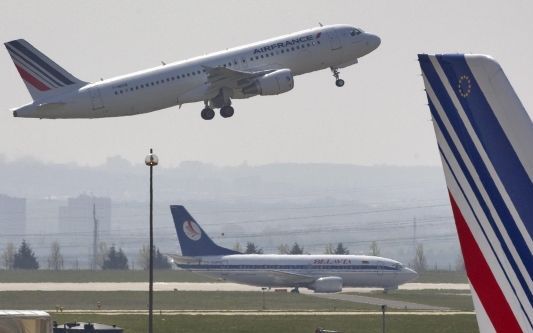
point(192, 230)
point(464, 85)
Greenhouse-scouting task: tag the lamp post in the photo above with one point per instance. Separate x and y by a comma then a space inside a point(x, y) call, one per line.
point(151, 160)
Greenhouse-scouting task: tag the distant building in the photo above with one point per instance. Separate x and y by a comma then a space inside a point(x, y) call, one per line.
point(12, 218)
point(76, 218)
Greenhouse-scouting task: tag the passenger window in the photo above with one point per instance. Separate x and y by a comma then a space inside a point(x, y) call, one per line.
point(116, 92)
point(198, 72)
point(292, 48)
point(266, 55)
point(282, 51)
point(251, 58)
point(256, 57)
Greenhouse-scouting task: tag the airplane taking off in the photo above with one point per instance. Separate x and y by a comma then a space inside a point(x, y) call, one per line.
point(321, 273)
point(485, 139)
point(263, 68)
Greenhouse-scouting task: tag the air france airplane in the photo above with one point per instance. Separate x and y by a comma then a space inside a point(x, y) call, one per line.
point(485, 139)
point(321, 273)
point(263, 68)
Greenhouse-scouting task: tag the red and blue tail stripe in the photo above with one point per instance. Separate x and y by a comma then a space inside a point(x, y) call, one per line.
point(489, 176)
point(39, 72)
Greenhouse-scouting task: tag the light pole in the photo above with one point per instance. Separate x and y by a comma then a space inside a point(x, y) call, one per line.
point(151, 160)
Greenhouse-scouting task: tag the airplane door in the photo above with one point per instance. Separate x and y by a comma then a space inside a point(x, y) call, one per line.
point(334, 40)
point(380, 269)
point(96, 98)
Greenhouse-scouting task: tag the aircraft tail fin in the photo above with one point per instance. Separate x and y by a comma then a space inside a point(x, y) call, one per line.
point(194, 242)
point(41, 74)
point(485, 139)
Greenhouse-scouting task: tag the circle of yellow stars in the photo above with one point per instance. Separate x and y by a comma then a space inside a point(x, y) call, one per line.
point(464, 82)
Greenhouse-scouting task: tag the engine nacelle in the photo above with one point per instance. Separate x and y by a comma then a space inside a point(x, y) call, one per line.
point(327, 284)
point(274, 83)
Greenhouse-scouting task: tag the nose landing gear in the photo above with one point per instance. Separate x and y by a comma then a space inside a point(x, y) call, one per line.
point(338, 81)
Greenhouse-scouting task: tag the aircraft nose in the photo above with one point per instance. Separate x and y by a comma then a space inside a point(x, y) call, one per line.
point(409, 274)
point(372, 41)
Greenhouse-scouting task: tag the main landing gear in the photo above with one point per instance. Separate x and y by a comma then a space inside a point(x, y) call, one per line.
point(338, 81)
point(208, 113)
point(226, 111)
point(295, 290)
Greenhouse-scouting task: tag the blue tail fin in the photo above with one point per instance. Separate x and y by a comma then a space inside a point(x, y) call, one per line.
point(194, 242)
point(485, 139)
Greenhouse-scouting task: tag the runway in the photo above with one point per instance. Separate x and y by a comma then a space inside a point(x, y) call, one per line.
point(269, 313)
point(186, 286)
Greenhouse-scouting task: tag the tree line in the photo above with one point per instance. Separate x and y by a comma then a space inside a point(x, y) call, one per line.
point(113, 258)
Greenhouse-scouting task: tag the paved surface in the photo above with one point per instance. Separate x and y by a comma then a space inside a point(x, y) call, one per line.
point(273, 313)
point(181, 286)
point(380, 301)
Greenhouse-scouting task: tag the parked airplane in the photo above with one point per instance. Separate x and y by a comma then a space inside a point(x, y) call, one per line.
point(485, 139)
point(321, 273)
point(262, 68)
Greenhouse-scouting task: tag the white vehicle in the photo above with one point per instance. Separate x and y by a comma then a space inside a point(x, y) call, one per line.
point(25, 321)
point(321, 273)
point(485, 139)
point(262, 68)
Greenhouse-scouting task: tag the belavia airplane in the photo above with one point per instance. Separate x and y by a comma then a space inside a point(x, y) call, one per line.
point(485, 140)
point(263, 68)
point(321, 273)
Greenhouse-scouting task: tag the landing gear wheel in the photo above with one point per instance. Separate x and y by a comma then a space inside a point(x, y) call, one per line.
point(338, 81)
point(295, 291)
point(226, 111)
point(208, 114)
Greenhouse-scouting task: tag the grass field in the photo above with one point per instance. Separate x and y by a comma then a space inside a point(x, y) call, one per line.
point(168, 300)
point(453, 299)
point(292, 324)
point(442, 277)
point(100, 276)
point(167, 276)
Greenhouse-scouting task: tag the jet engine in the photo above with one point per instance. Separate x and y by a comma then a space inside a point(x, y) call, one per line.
point(327, 284)
point(274, 83)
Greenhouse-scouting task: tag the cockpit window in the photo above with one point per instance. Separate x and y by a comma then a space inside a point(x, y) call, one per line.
point(355, 32)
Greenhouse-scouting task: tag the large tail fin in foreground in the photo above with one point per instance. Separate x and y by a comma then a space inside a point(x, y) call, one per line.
point(194, 242)
point(485, 139)
point(41, 75)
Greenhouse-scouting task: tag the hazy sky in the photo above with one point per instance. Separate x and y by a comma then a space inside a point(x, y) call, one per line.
point(379, 117)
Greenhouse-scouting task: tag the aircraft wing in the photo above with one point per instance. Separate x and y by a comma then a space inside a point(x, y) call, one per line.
point(219, 77)
point(293, 278)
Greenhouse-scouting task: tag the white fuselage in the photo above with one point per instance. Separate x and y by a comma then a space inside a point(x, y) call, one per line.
point(188, 82)
point(279, 270)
